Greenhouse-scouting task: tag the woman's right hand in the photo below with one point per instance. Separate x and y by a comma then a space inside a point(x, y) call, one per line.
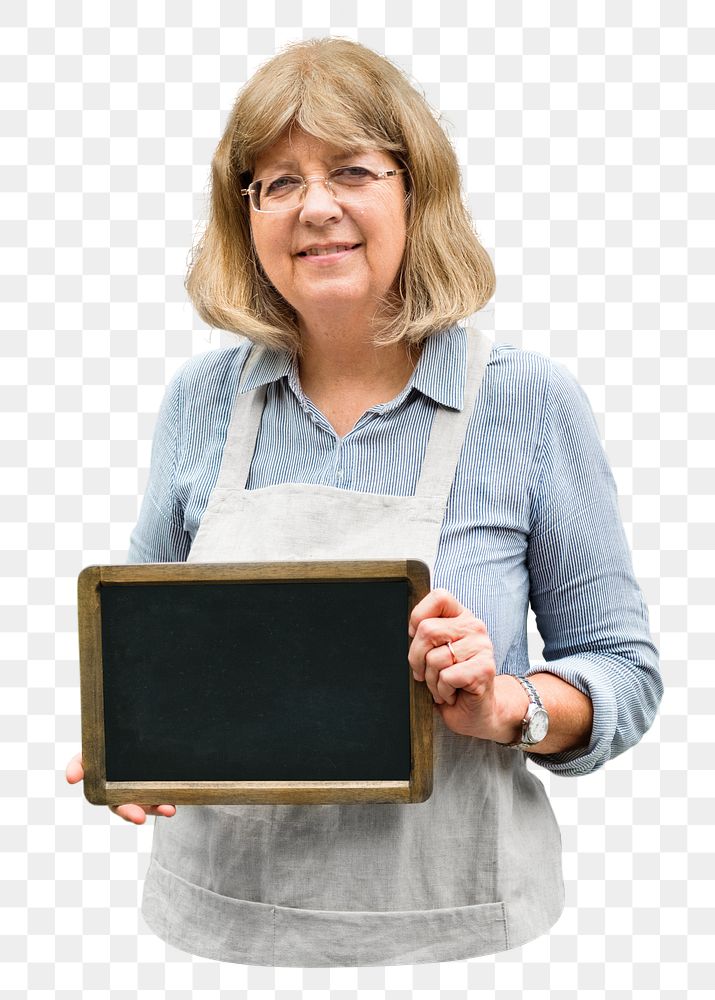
point(131, 811)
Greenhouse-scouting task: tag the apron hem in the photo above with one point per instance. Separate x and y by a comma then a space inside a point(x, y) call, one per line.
point(202, 922)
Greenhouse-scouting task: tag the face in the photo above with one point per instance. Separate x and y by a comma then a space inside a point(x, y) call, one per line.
point(373, 226)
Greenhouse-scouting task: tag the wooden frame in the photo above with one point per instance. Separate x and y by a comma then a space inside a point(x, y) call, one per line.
point(98, 790)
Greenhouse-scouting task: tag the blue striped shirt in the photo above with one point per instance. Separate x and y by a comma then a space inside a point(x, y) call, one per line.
point(532, 516)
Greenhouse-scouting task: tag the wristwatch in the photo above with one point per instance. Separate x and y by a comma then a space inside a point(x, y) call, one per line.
point(535, 724)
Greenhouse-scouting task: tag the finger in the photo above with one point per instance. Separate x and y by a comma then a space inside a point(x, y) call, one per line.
point(135, 813)
point(163, 810)
point(431, 633)
point(437, 604)
point(473, 676)
point(446, 691)
point(444, 677)
point(469, 645)
point(434, 632)
point(74, 771)
point(130, 812)
point(441, 690)
point(435, 661)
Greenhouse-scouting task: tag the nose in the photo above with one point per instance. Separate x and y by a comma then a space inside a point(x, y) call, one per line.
point(319, 204)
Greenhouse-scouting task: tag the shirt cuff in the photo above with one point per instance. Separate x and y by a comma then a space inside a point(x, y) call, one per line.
point(591, 678)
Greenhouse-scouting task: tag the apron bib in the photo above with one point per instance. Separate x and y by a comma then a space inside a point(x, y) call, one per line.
point(357, 884)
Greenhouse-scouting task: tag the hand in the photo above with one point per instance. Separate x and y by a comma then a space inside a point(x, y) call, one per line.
point(131, 811)
point(463, 684)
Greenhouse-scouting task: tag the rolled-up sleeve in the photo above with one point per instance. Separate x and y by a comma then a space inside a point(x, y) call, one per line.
point(159, 534)
point(588, 606)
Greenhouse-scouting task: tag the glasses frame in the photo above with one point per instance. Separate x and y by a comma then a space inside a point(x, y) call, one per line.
point(250, 191)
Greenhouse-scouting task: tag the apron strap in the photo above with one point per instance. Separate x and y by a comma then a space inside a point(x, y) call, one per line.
point(242, 431)
point(449, 427)
point(443, 448)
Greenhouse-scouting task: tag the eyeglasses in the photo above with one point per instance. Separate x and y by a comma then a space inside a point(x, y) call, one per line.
point(287, 191)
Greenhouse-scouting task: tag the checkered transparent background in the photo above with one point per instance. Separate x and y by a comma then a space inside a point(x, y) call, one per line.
point(585, 138)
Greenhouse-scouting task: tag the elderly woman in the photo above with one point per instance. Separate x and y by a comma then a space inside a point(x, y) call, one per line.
point(359, 419)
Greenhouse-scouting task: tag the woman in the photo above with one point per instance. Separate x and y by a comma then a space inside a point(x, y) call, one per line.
point(361, 421)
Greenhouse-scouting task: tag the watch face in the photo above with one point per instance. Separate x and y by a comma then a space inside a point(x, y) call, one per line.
point(538, 726)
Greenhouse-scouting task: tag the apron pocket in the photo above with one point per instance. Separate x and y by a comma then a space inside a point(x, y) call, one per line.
point(392, 937)
point(206, 923)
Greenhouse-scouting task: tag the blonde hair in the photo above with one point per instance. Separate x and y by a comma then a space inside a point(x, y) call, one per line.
point(332, 87)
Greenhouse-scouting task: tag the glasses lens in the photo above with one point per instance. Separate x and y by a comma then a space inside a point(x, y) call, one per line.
point(344, 178)
point(277, 194)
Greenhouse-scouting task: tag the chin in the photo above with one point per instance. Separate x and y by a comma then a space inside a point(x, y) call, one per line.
point(334, 297)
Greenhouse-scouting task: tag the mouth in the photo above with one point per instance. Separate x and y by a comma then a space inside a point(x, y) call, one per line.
point(337, 248)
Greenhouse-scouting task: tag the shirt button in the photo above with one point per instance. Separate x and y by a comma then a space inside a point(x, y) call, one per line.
point(339, 474)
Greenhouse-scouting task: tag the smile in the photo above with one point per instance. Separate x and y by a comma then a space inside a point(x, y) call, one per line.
point(338, 248)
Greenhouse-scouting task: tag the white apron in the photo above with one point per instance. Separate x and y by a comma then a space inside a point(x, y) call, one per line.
point(474, 870)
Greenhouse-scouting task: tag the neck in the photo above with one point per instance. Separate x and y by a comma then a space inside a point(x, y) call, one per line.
point(335, 357)
point(344, 374)
point(334, 329)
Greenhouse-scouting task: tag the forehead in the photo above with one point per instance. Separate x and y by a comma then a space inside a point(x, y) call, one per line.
point(296, 148)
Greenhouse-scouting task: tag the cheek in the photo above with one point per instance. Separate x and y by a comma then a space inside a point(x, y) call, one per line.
point(389, 208)
point(385, 228)
point(396, 225)
point(392, 246)
point(266, 243)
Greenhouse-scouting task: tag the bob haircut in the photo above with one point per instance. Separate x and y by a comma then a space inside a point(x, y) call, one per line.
point(332, 87)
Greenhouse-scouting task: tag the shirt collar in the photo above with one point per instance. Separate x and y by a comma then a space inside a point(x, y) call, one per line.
point(440, 373)
point(264, 366)
point(442, 368)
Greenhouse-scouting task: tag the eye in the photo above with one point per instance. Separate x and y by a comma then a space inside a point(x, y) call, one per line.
point(281, 185)
point(353, 175)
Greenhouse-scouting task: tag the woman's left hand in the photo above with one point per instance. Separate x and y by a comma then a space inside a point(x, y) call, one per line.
point(461, 679)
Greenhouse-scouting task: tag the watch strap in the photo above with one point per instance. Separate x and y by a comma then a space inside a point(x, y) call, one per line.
point(534, 703)
point(530, 690)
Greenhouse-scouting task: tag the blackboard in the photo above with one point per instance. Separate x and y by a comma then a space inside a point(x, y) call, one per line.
point(252, 683)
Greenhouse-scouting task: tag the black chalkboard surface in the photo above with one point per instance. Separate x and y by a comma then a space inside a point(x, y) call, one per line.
point(253, 683)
